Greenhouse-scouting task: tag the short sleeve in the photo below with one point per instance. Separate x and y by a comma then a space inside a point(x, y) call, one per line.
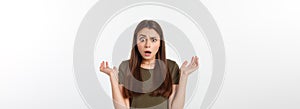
point(174, 70)
point(121, 74)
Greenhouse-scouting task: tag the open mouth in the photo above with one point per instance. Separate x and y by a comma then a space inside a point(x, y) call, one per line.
point(147, 53)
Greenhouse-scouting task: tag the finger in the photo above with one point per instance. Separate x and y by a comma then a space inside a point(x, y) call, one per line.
point(101, 66)
point(184, 64)
point(107, 65)
point(115, 68)
point(197, 61)
point(192, 59)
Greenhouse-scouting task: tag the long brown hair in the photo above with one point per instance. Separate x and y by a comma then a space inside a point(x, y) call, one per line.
point(165, 88)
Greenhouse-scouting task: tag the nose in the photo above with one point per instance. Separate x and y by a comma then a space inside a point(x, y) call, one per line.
point(147, 44)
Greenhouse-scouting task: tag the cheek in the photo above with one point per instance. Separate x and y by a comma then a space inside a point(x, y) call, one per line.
point(156, 46)
point(140, 46)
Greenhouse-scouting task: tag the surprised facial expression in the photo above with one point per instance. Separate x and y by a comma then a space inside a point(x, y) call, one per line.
point(148, 43)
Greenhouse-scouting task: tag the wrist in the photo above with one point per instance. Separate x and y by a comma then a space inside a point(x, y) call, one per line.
point(112, 75)
point(184, 74)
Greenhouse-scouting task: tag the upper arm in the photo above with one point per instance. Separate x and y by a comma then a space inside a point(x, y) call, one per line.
point(175, 72)
point(173, 94)
point(175, 75)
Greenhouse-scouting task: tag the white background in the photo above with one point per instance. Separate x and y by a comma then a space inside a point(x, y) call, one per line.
point(261, 39)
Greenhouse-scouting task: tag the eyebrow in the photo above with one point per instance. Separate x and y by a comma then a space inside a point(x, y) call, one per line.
point(142, 35)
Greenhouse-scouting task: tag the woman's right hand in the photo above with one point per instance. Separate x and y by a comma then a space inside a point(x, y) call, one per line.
point(106, 69)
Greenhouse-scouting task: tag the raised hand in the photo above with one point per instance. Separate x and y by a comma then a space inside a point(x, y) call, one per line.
point(188, 69)
point(104, 67)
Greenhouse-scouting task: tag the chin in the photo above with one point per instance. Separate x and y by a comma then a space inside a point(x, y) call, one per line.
point(147, 57)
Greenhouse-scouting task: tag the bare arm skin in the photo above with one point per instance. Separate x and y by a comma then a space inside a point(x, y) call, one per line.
point(117, 90)
point(177, 98)
point(171, 98)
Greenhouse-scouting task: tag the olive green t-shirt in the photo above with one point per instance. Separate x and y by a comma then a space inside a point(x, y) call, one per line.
point(145, 100)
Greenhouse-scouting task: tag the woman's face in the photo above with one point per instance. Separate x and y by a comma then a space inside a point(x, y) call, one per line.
point(148, 42)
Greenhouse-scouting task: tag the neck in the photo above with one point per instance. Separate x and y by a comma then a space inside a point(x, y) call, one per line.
point(148, 61)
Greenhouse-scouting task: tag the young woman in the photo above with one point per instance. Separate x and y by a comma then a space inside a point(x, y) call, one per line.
point(148, 79)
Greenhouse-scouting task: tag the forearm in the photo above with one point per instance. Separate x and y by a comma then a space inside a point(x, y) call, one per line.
point(118, 99)
point(179, 99)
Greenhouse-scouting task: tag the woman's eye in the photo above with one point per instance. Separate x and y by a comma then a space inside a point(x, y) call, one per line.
point(154, 40)
point(142, 39)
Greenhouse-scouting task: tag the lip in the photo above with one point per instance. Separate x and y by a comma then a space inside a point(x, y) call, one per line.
point(146, 52)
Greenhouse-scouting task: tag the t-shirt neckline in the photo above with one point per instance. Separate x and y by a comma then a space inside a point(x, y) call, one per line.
point(146, 68)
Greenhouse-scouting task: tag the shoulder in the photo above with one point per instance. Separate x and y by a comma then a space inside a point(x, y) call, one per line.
point(124, 65)
point(170, 60)
point(172, 64)
point(125, 62)
point(174, 71)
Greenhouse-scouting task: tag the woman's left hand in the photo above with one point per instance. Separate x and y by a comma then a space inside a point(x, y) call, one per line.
point(188, 69)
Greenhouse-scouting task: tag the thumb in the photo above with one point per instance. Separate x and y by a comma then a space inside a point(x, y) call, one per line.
point(115, 68)
point(184, 64)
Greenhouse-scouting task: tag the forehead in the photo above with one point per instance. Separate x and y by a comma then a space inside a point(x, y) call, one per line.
point(148, 32)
